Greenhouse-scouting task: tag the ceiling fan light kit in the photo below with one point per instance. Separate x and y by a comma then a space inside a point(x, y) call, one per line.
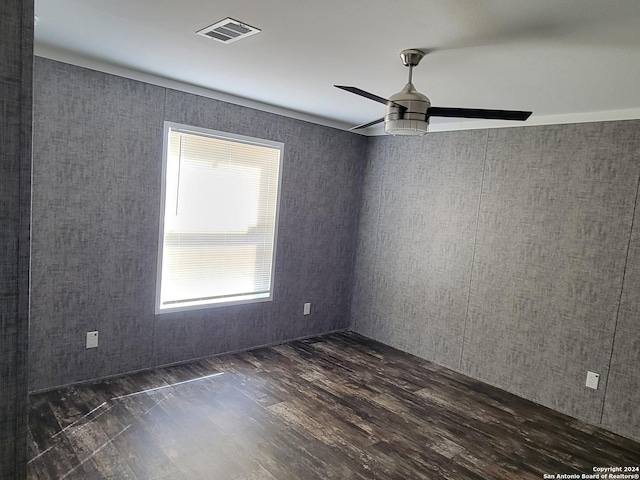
point(408, 111)
point(406, 127)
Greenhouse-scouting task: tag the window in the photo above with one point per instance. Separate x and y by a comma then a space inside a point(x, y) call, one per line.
point(218, 219)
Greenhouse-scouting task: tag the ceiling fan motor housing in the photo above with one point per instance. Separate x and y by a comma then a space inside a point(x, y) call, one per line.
point(412, 119)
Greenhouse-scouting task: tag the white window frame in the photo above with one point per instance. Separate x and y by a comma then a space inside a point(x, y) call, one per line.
point(223, 301)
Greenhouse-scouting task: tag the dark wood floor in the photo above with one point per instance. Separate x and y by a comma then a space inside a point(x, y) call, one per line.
point(334, 407)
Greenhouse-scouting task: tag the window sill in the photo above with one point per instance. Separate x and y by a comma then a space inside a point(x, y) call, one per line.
point(213, 303)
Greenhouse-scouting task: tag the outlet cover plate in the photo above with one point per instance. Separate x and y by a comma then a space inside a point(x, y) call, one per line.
point(92, 339)
point(307, 308)
point(592, 380)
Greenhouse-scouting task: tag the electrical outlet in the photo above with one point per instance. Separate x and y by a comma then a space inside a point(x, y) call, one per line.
point(592, 380)
point(92, 339)
point(307, 308)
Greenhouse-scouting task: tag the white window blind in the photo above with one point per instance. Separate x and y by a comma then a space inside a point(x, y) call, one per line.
point(220, 212)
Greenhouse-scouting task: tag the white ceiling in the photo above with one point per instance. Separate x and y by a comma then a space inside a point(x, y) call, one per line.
point(566, 60)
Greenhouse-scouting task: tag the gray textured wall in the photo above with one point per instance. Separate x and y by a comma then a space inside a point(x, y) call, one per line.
point(96, 198)
point(622, 399)
point(501, 254)
point(16, 47)
point(415, 247)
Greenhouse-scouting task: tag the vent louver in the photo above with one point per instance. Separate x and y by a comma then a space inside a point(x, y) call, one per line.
point(228, 31)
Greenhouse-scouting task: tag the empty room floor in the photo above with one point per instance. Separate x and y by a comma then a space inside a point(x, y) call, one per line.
point(339, 406)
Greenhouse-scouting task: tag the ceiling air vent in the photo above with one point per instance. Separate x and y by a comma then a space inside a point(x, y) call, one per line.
point(228, 30)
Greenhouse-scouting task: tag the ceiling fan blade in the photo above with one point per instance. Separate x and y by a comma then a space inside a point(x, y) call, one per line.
point(478, 113)
point(362, 93)
point(365, 125)
point(370, 96)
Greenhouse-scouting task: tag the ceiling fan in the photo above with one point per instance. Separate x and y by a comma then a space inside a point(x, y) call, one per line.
point(408, 111)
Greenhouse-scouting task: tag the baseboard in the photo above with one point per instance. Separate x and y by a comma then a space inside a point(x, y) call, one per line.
point(182, 362)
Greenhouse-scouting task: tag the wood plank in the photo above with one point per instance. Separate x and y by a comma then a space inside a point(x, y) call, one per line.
point(339, 406)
